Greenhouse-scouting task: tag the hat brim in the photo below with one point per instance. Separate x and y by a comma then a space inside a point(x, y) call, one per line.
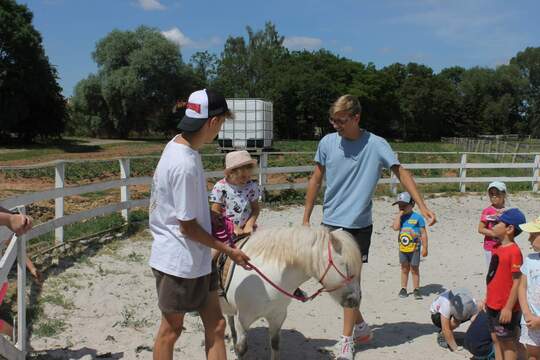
point(530, 227)
point(403, 202)
point(249, 162)
point(191, 124)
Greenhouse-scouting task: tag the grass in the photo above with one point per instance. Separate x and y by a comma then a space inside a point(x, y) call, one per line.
point(129, 319)
point(49, 328)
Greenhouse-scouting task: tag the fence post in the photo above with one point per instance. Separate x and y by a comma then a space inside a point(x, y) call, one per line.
point(463, 173)
point(393, 179)
point(59, 183)
point(263, 165)
point(515, 153)
point(124, 190)
point(536, 173)
point(21, 290)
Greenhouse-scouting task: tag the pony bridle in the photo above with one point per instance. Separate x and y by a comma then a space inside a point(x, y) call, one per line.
point(346, 280)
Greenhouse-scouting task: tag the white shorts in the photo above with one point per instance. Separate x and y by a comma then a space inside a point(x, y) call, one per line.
point(529, 336)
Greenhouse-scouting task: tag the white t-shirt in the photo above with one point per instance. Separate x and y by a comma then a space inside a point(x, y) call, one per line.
point(235, 200)
point(454, 303)
point(531, 270)
point(179, 193)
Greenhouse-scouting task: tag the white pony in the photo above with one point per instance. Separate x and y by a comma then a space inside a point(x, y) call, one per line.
point(289, 257)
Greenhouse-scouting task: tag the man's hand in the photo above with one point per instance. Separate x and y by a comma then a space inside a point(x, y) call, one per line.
point(505, 316)
point(19, 224)
point(239, 257)
point(424, 251)
point(429, 216)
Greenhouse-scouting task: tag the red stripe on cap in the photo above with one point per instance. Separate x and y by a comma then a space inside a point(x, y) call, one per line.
point(194, 107)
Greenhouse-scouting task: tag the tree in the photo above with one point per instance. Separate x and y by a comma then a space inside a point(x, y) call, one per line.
point(528, 63)
point(205, 66)
point(140, 77)
point(31, 103)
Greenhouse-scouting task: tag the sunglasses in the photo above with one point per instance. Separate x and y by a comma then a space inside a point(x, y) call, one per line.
point(338, 121)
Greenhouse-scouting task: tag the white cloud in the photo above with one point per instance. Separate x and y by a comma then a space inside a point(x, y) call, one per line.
point(179, 38)
point(302, 42)
point(150, 5)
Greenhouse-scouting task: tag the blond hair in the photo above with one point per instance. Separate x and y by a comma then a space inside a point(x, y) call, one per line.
point(348, 103)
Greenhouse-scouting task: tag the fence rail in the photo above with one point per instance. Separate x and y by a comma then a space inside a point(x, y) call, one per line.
point(17, 248)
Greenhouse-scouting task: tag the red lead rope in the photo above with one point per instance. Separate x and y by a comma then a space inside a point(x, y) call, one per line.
point(346, 280)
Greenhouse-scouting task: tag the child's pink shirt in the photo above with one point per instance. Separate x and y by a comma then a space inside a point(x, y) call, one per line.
point(489, 217)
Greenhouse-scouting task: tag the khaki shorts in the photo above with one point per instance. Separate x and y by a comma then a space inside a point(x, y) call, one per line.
point(180, 295)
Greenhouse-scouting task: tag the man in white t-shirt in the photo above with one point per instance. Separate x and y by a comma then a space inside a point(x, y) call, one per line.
point(181, 227)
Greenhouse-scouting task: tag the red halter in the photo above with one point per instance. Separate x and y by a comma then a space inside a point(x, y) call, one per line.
point(346, 279)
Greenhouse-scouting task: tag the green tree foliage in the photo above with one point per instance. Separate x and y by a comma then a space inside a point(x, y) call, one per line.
point(140, 77)
point(528, 62)
point(31, 103)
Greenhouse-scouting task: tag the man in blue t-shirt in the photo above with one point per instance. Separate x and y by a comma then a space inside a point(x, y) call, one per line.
point(351, 161)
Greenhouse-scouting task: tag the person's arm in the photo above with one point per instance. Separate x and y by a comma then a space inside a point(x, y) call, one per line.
point(396, 224)
point(17, 223)
point(409, 184)
point(448, 333)
point(482, 229)
point(314, 186)
point(195, 232)
point(34, 271)
point(506, 312)
point(424, 240)
point(250, 223)
point(522, 296)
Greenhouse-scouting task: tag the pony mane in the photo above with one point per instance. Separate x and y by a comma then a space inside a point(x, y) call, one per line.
point(305, 247)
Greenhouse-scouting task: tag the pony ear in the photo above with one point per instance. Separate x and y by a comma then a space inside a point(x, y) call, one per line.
point(336, 243)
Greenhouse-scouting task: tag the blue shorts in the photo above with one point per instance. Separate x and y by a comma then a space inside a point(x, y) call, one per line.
point(412, 258)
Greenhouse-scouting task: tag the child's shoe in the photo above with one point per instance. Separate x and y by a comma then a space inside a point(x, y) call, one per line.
point(362, 333)
point(345, 348)
point(403, 293)
point(417, 295)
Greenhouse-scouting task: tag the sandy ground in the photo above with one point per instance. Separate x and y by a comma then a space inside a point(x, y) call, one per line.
point(107, 302)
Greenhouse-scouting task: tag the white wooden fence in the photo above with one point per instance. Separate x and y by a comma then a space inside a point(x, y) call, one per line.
point(17, 248)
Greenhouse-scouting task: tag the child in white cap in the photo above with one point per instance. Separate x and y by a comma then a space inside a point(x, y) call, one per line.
point(236, 196)
point(529, 293)
point(412, 240)
point(497, 197)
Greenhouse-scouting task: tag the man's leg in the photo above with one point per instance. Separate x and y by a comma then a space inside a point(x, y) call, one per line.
point(214, 328)
point(169, 331)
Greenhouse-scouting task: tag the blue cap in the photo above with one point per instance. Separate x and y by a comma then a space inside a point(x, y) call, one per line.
point(513, 217)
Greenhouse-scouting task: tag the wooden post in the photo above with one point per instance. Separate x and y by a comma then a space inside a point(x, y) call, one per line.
point(516, 149)
point(124, 190)
point(394, 180)
point(463, 173)
point(21, 291)
point(59, 183)
point(263, 165)
point(536, 173)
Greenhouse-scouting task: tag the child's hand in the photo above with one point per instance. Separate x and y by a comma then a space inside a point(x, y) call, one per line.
point(248, 229)
point(424, 251)
point(38, 276)
point(505, 316)
point(533, 322)
point(238, 230)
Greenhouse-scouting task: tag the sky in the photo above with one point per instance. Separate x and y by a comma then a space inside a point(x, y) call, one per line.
point(437, 33)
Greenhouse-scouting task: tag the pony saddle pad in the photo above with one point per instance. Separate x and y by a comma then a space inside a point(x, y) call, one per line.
point(225, 268)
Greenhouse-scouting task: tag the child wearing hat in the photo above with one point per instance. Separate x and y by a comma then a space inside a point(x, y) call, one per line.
point(503, 278)
point(236, 196)
point(497, 197)
point(412, 240)
point(529, 293)
point(450, 309)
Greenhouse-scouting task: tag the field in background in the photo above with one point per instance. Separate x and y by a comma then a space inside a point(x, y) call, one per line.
point(17, 181)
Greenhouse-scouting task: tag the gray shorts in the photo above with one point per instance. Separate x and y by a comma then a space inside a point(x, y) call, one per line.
point(180, 295)
point(412, 258)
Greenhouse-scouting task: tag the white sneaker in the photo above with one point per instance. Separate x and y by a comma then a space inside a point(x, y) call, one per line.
point(345, 348)
point(362, 334)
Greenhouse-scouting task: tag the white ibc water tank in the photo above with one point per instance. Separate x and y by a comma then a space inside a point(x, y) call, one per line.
point(252, 126)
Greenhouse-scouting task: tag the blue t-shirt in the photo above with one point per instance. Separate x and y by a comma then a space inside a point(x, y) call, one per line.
point(352, 170)
point(531, 270)
point(409, 233)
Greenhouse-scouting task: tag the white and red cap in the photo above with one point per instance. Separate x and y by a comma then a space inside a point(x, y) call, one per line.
point(201, 106)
